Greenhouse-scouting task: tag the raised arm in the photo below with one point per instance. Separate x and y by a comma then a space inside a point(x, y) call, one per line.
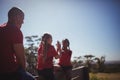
point(58, 50)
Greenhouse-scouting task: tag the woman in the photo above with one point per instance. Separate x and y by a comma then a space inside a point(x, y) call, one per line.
point(46, 52)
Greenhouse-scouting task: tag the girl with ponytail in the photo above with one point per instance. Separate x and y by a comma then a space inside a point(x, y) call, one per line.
point(65, 59)
point(46, 52)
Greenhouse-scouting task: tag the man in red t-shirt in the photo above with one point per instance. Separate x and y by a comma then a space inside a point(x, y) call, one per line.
point(11, 46)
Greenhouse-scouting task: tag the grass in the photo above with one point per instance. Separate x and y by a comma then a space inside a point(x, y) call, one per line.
point(105, 76)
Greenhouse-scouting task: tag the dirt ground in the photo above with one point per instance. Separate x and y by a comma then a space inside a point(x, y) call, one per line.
point(107, 76)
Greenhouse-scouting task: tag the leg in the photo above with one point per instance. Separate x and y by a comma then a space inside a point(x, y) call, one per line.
point(49, 74)
point(68, 74)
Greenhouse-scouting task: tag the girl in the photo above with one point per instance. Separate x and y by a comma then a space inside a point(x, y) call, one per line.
point(46, 52)
point(65, 59)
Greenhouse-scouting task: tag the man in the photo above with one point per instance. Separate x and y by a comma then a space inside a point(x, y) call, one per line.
point(11, 46)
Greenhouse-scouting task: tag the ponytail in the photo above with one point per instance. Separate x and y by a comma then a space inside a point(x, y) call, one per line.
point(45, 37)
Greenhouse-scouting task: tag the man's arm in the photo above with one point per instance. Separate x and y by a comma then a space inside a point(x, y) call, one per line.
point(20, 55)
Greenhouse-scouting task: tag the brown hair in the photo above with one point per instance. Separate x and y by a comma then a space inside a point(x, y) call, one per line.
point(45, 37)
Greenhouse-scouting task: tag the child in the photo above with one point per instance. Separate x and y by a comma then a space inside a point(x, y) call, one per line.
point(65, 59)
point(46, 52)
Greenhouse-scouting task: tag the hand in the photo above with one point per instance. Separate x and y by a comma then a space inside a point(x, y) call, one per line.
point(58, 46)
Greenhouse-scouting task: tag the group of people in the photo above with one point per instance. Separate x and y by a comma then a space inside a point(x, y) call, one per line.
point(12, 56)
point(46, 52)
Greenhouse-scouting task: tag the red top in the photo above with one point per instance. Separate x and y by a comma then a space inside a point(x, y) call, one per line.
point(48, 63)
point(9, 35)
point(65, 59)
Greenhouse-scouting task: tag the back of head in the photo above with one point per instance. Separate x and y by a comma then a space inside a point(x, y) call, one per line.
point(13, 12)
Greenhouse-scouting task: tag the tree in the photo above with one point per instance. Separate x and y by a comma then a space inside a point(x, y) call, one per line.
point(77, 61)
point(100, 63)
point(88, 61)
point(31, 52)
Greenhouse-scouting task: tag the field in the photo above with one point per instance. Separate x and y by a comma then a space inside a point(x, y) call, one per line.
point(105, 76)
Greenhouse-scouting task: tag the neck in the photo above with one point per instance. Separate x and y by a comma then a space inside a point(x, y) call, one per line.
point(64, 48)
point(13, 24)
point(10, 23)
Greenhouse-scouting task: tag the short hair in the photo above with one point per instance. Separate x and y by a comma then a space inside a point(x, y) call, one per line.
point(14, 11)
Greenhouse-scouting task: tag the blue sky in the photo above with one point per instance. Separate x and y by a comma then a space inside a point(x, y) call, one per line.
point(93, 27)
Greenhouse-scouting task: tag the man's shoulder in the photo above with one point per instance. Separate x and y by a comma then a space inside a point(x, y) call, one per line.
point(2, 25)
point(9, 28)
point(14, 30)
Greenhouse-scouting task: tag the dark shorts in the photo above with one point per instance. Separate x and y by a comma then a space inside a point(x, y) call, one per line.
point(47, 74)
point(20, 74)
point(10, 76)
point(25, 75)
point(67, 71)
point(65, 68)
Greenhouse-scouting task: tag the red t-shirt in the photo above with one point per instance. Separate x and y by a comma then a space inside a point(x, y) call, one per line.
point(65, 59)
point(9, 35)
point(48, 63)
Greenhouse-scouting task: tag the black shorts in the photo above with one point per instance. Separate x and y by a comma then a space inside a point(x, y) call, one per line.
point(10, 76)
point(47, 74)
point(65, 68)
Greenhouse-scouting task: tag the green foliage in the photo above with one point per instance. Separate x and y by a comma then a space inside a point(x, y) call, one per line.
point(94, 63)
point(32, 43)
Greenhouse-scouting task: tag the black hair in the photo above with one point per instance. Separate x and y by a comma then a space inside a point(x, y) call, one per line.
point(68, 43)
